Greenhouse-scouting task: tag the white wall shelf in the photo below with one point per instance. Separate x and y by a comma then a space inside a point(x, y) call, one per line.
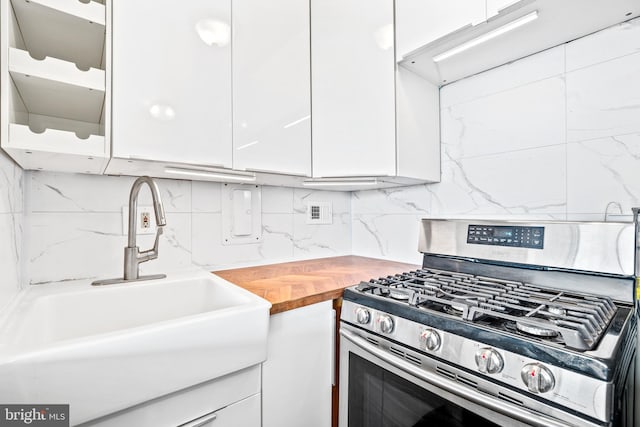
point(20, 61)
point(53, 75)
point(56, 150)
point(65, 29)
point(53, 87)
point(54, 140)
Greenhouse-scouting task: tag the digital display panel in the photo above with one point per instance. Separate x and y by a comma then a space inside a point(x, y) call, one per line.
point(501, 235)
point(503, 232)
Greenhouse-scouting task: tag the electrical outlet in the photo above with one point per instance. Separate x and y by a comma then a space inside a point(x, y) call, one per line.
point(319, 213)
point(145, 222)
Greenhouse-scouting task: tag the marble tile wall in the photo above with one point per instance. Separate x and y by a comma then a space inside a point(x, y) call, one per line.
point(552, 136)
point(75, 227)
point(11, 223)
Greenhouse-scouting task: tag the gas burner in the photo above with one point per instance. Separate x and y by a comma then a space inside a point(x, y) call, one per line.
point(454, 310)
point(577, 321)
point(400, 296)
point(535, 330)
point(557, 311)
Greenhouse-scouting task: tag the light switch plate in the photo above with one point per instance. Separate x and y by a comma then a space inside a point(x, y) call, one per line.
point(146, 221)
point(241, 214)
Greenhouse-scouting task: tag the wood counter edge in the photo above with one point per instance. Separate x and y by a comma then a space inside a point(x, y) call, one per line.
point(333, 293)
point(280, 307)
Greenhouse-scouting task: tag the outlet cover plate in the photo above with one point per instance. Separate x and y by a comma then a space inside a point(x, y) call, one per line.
point(146, 211)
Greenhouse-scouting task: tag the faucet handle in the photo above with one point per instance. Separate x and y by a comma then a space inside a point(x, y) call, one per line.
point(153, 252)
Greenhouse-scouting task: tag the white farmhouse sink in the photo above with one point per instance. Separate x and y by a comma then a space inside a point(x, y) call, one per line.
point(103, 349)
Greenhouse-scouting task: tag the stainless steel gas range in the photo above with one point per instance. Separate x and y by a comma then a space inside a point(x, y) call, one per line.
point(507, 323)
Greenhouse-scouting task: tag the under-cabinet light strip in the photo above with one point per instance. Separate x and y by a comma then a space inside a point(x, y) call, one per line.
point(488, 36)
point(209, 174)
point(336, 183)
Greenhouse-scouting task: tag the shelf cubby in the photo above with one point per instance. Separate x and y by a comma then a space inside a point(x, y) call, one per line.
point(54, 74)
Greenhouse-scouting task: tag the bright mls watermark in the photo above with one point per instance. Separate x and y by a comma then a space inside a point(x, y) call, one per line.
point(34, 415)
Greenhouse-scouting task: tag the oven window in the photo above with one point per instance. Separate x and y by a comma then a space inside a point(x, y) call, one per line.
point(378, 398)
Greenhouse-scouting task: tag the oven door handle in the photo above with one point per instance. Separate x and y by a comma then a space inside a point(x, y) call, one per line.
point(485, 400)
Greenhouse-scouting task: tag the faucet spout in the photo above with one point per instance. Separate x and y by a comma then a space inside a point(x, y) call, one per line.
point(133, 257)
point(158, 208)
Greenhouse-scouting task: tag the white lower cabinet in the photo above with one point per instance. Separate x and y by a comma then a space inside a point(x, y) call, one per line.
point(233, 400)
point(298, 373)
point(241, 414)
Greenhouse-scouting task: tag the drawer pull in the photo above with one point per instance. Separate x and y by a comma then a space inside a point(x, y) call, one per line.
point(203, 420)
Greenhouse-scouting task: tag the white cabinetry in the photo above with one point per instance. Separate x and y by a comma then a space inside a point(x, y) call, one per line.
point(420, 22)
point(172, 81)
point(353, 89)
point(230, 401)
point(510, 30)
point(495, 6)
point(297, 376)
point(365, 122)
point(271, 86)
point(53, 67)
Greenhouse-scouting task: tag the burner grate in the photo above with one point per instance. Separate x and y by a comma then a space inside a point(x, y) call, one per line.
point(556, 316)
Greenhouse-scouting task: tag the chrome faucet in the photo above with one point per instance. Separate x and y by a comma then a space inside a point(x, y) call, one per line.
point(133, 257)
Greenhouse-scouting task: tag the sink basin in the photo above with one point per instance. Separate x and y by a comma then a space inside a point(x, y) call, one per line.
point(104, 349)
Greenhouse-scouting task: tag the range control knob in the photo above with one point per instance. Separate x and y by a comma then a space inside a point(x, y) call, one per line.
point(386, 323)
point(430, 339)
point(362, 316)
point(537, 378)
point(489, 361)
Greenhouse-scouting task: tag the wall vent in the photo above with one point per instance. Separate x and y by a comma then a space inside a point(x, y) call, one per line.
point(319, 213)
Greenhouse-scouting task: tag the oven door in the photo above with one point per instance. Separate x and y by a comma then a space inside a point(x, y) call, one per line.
point(381, 389)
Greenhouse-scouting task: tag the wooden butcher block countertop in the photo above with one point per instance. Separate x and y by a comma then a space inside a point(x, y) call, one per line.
point(296, 284)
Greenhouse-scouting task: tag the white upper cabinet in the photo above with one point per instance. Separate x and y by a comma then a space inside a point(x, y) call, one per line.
point(495, 6)
point(441, 43)
point(172, 81)
point(420, 22)
point(353, 93)
point(370, 120)
point(271, 86)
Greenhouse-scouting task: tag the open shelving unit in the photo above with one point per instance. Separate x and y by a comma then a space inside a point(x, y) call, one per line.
point(53, 75)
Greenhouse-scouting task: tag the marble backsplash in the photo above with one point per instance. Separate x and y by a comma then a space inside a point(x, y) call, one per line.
point(11, 220)
point(552, 136)
point(75, 227)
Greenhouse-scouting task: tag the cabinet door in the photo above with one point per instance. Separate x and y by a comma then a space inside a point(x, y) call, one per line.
point(353, 95)
point(297, 375)
point(245, 413)
point(172, 81)
point(271, 86)
point(494, 6)
point(420, 22)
